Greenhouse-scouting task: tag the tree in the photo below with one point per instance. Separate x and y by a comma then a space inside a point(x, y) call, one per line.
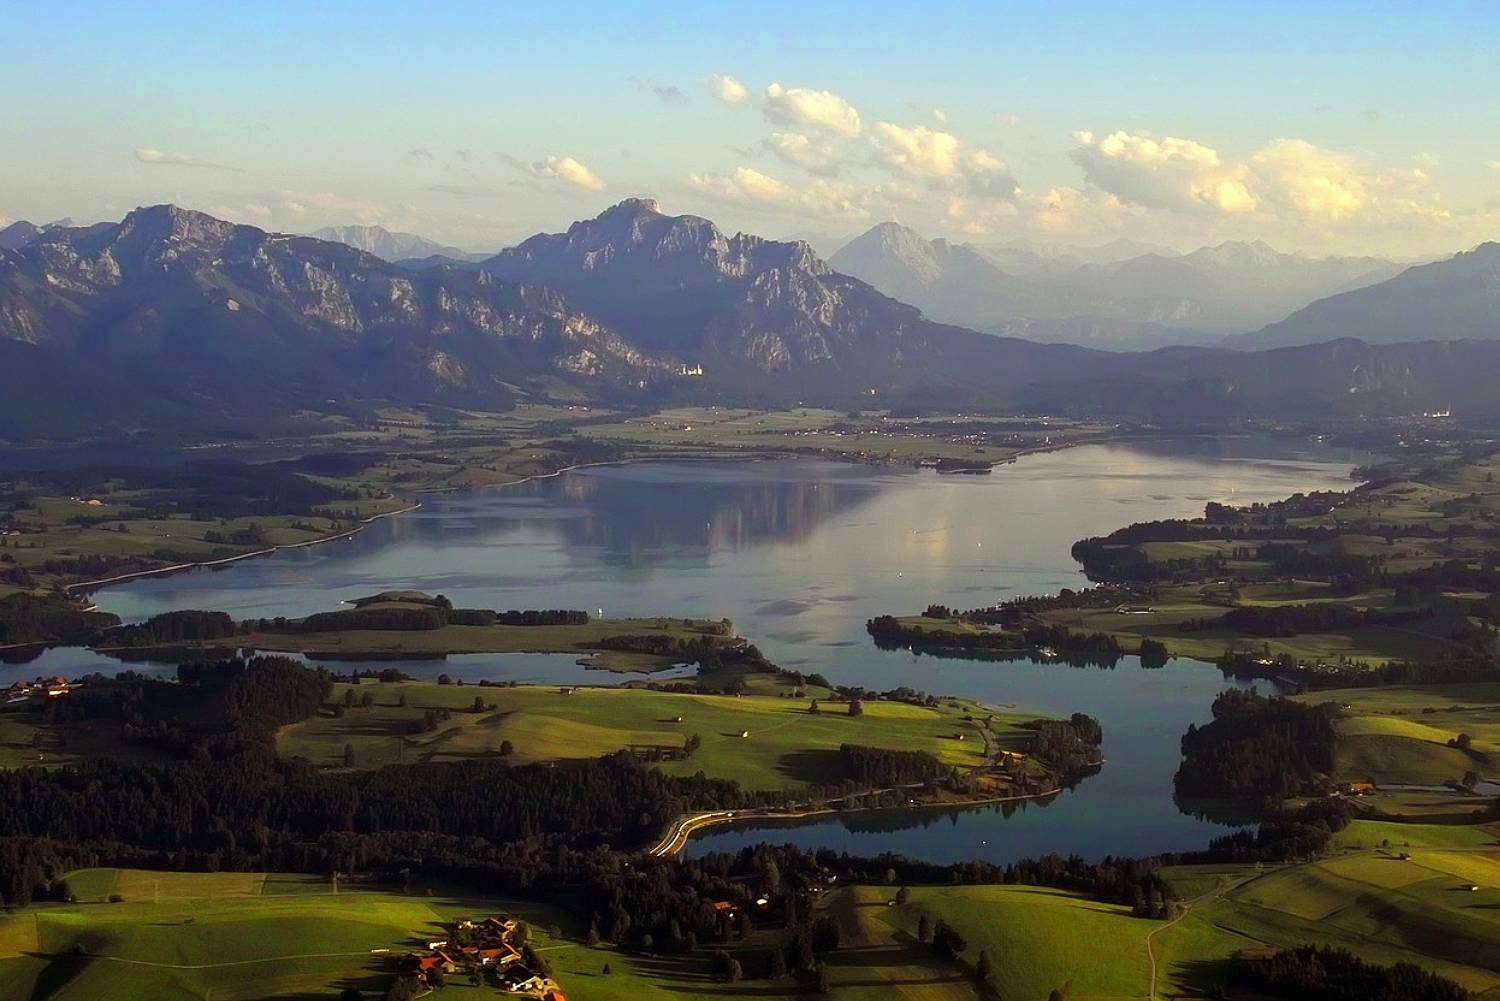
point(903, 895)
point(776, 968)
point(924, 929)
point(478, 704)
point(647, 942)
point(855, 708)
point(736, 972)
point(606, 970)
point(823, 984)
point(592, 939)
point(982, 967)
point(507, 748)
point(348, 755)
point(813, 707)
point(770, 877)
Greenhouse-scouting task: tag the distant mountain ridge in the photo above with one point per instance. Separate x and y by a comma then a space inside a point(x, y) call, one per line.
point(1453, 299)
point(956, 284)
point(174, 320)
point(1136, 302)
point(393, 247)
point(202, 313)
point(765, 318)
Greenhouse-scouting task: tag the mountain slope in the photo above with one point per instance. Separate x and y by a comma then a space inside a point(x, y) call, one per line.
point(1447, 300)
point(391, 246)
point(956, 284)
point(766, 319)
point(1234, 286)
point(236, 321)
point(1332, 379)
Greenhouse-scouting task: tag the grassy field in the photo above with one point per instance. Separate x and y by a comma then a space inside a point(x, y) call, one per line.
point(1383, 908)
point(787, 746)
point(26, 740)
point(231, 936)
point(1407, 734)
point(1177, 605)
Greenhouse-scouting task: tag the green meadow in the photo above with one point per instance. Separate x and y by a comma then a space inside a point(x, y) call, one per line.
point(763, 741)
point(228, 936)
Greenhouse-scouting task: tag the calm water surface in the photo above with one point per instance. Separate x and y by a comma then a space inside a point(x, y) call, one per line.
point(799, 554)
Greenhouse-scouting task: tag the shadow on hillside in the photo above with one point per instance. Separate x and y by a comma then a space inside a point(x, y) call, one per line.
point(813, 766)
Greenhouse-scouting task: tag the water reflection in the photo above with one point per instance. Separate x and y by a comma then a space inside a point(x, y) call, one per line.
point(799, 554)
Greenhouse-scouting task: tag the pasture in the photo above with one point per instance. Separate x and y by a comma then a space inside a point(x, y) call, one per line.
point(787, 745)
point(229, 936)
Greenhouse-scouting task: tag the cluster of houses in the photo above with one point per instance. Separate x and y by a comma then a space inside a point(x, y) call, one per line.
point(40, 690)
point(491, 949)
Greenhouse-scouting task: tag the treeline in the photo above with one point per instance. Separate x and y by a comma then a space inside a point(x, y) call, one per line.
point(1069, 748)
point(881, 768)
point(1257, 748)
point(173, 627)
point(216, 709)
point(26, 618)
point(890, 632)
point(1318, 973)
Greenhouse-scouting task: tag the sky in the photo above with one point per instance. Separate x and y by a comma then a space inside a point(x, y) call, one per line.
point(1327, 127)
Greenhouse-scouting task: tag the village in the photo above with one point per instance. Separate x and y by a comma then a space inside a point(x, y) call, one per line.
point(495, 950)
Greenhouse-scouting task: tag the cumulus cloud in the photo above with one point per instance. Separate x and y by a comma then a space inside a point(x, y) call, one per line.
point(748, 186)
point(939, 158)
point(816, 109)
point(800, 151)
point(727, 89)
point(569, 171)
point(159, 157)
point(1312, 181)
point(1172, 173)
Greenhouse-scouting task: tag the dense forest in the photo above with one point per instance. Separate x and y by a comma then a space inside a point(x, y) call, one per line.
point(26, 618)
point(1257, 748)
point(1318, 973)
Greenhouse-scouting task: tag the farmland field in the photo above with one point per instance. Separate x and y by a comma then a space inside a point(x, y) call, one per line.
point(786, 746)
point(227, 935)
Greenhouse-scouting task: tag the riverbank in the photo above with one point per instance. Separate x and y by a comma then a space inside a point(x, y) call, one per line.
point(681, 831)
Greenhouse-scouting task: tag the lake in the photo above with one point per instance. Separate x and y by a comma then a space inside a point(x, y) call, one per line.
point(799, 554)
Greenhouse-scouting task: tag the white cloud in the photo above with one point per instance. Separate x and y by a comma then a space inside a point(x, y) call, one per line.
point(1172, 173)
point(940, 115)
point(327, 205)
point(1493, 165)
point(748, 186)
point(1312, 181)
point(818, 109)
point(155, 156)
point(800, 151)
point(727, 89)
point(940, 159)
point(569, 171)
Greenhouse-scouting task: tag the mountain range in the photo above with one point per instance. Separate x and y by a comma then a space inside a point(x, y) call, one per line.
point(172, 319)
point(1455, 299)
point(1112, 302)
point(393, 247)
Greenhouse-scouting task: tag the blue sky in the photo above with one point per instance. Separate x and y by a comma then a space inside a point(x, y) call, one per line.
point(1331, 127)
